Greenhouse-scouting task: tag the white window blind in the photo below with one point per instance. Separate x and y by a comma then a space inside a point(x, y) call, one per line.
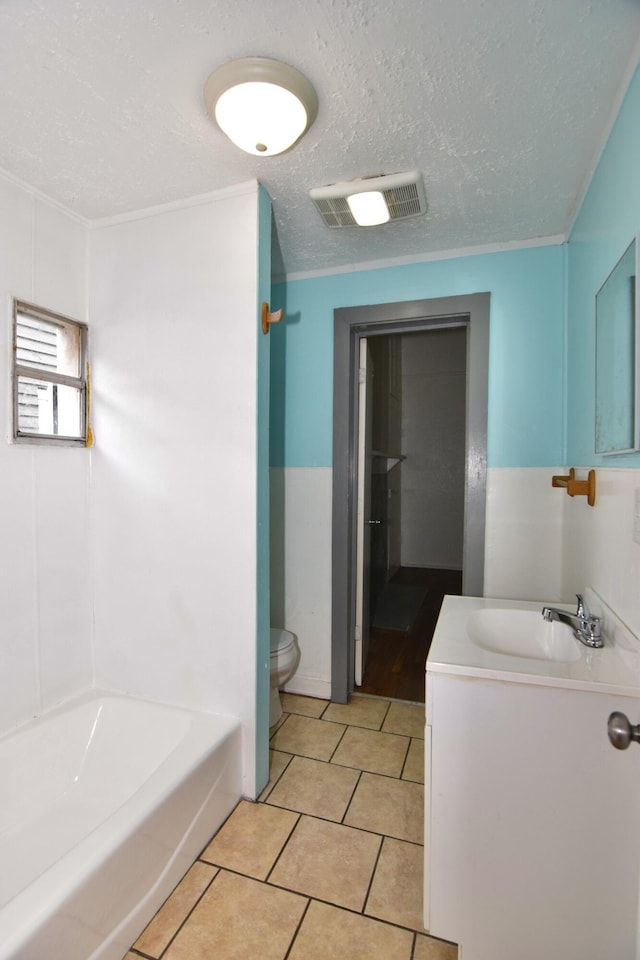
point(49, 376)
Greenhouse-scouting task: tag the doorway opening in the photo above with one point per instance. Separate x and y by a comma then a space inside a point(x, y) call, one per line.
point(353, 328)
point(411, 463)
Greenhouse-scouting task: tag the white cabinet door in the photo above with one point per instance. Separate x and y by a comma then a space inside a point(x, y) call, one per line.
point(532, 842)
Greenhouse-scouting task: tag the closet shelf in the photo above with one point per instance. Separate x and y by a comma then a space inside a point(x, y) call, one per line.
point(384, 462)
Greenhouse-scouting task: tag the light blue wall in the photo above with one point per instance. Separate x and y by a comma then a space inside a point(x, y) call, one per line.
point(608, 220)
point(541, 299)
point(526, 394)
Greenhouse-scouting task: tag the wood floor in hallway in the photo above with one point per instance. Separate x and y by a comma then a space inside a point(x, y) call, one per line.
point(396, 662)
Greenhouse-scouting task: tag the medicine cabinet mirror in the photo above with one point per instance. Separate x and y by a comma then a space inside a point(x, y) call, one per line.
point(617, 358)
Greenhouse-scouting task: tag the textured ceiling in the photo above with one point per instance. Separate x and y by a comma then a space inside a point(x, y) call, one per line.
point(502, 105)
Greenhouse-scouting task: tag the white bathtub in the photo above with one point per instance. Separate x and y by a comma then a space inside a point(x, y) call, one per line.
point(104, 804)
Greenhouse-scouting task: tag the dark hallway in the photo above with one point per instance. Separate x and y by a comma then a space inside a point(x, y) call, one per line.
point(396, 662)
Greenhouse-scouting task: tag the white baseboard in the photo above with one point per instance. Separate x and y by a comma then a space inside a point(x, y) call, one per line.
point(309, 687)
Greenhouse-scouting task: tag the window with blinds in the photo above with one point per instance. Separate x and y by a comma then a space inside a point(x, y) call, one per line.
point(49, 376)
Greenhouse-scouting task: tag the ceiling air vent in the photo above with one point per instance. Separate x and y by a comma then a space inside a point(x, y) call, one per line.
point(403, 195)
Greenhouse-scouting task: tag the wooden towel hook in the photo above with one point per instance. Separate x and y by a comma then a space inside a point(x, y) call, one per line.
point(578, 488)
point(268, 318)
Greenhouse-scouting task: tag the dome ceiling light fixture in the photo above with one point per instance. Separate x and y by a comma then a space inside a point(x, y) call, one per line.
point(262, 105)
point(371, 200)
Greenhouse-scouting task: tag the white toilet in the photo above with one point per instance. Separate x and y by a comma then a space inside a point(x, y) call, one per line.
point(284, 657)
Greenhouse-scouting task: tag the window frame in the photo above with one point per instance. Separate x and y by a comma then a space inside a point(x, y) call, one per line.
point(36, 373)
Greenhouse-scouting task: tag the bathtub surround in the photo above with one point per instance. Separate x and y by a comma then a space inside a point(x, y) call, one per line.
point(175, 336)
point(45, 581)
point(140, 564)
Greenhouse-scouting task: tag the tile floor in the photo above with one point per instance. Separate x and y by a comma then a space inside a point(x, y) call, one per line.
point(328, 863)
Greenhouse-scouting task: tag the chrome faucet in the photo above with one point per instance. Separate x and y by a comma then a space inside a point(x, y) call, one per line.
point(586, 627)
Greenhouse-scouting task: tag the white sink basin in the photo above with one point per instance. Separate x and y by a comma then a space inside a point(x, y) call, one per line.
point(523, 633)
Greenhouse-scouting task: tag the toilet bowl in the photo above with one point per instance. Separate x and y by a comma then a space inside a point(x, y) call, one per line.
point(284, 656)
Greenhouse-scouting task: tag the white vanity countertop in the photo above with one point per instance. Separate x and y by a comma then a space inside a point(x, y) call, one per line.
point(614, 668)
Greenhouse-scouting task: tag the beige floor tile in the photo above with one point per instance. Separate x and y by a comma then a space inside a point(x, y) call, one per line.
point(308, 738)
point(414, 766)
point(305, 706)
point(392, 807)
point(251, 839)
point(328, 933)
point(428, 948)
point(239, 918)
point(372, 750)
point(396, 892)
point(278, 762)
point(278, 724)
point(315, 787)
point(405, 718)
point(360, 711)
point(328, 861)
point(154, 939)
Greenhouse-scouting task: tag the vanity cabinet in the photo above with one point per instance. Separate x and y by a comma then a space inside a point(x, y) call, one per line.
point(532, 835)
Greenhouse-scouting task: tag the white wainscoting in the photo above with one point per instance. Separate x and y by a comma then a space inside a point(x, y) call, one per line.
point(301, 570)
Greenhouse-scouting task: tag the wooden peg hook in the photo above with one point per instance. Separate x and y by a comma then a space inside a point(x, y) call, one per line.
point(578, 488)
point(268, 318)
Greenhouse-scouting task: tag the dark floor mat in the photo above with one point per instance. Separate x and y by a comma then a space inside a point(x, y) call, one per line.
point(398, 605)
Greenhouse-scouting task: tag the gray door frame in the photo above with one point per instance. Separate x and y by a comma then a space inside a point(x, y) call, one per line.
point(350, 325)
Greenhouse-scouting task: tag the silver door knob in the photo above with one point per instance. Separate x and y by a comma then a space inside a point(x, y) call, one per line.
point(621, 731)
